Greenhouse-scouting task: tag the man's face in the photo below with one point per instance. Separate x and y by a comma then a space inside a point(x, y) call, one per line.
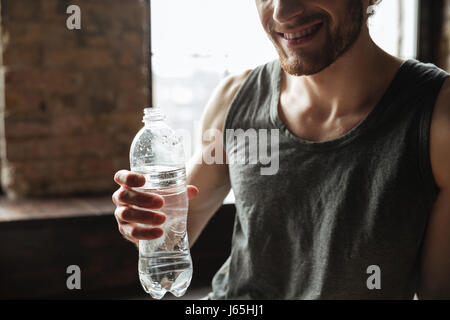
point(310, 35)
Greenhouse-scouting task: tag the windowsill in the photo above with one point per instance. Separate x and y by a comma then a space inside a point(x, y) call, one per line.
point(54, 208)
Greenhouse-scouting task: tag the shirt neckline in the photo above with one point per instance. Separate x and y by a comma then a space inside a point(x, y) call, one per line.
point(349, 135)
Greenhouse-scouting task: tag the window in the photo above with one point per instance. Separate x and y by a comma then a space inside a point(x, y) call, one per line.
point(394, 27)
point(195, 45)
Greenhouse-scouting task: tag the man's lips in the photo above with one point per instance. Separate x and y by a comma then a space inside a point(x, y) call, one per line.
point(298, 29)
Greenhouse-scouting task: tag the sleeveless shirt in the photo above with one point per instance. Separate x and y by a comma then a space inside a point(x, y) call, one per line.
point(338, 219)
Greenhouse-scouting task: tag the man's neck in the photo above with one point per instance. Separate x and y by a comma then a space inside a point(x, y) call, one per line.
point(351, 85)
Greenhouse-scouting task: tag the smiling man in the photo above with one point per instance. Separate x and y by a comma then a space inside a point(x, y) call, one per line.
point(360, 205)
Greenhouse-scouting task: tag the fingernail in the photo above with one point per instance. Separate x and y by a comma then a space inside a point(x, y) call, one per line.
point(160, 218)
point(157, 232)
point(140, 179)
point(117, 176)
point(157, 201)
point(136, 180)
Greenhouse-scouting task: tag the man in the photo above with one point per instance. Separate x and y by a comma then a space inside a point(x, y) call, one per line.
point(360, 205)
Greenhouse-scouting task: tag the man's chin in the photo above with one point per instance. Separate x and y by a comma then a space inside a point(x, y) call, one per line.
point(303, 66)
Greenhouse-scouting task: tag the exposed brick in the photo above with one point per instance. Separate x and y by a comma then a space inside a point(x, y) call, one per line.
point(80, 58)
point(126, 14)
point(121, 163)
point(132, 39)
point(26, 129)
point(18, 103)
point(22, 56)
point(68, 104)
point(131, 100)
point(43, 179)
point(94, 167)
point(73, 99)
point(46, 34)
point(63, 125)
point(94, 40)
point(20, 9)
point(117, 122)
point(57, 169)
point(50, 81)
point(98, 145)
point(131, 79)
point(83, 186)
point(51, 10)
point(129, 58)
point(30, 149)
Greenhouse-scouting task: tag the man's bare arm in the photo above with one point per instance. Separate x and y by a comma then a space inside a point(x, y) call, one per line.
point(435, 264)
point(212, 180)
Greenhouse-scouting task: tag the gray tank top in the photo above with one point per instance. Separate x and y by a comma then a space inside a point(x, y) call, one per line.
point(340, 219)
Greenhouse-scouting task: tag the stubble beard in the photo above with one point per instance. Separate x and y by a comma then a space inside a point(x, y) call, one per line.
point(337, 42)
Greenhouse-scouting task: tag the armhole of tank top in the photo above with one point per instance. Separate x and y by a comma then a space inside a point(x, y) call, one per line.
point(425, 119)
point(229, 115)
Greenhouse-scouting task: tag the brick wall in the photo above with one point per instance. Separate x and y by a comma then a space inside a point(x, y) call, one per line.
point(71, 100)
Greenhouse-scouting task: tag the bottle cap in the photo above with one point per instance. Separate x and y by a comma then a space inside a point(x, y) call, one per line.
point(153, 114)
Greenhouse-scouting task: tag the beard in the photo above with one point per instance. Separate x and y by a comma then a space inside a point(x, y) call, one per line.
point(303, 62)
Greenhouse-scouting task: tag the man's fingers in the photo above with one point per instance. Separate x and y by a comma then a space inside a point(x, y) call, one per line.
point(134, 232)
point(132, 215)
point(135, 224)
point(129, 179)
point(140, 199)
point(122, 227)
point(192, 191)
point(121, 224)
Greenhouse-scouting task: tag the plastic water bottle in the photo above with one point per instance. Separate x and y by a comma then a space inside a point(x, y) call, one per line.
point(165, 263)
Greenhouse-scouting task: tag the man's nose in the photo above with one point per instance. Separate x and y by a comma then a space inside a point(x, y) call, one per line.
point(285, 10)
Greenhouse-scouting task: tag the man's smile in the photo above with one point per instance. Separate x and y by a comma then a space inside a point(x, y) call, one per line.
point(301, 35)
point(300, 31)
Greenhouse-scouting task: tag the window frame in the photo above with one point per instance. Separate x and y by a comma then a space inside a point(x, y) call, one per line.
point(430, 24)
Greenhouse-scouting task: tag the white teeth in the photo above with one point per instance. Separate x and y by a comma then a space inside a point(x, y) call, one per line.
point(300, 34)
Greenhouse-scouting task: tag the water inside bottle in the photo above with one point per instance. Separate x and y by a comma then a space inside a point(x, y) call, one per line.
point(165, 263)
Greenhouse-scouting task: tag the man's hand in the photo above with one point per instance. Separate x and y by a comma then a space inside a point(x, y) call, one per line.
point(129, 217)
point(212, 179)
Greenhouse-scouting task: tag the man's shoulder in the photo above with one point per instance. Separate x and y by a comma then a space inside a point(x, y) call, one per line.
point(440, 137)
point(221, 99)
point(441, 113)
point(232, 83)
point(445, 90)
point(216, 108)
